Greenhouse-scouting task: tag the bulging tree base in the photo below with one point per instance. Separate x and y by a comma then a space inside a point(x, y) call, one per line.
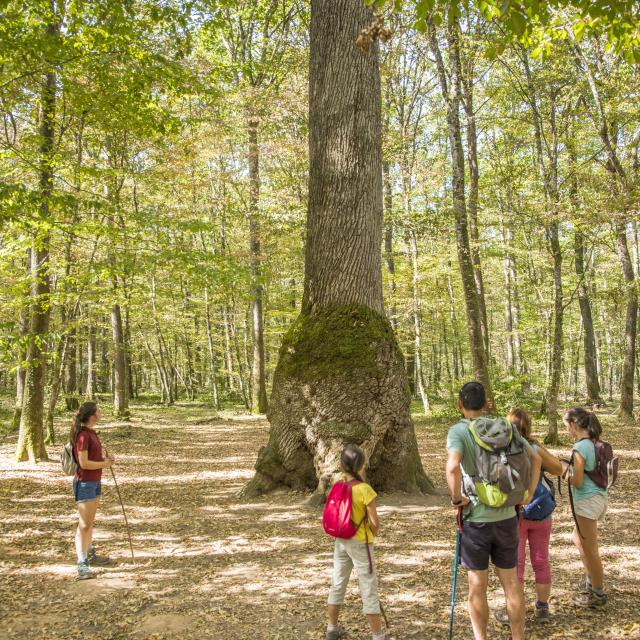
point(340, 379)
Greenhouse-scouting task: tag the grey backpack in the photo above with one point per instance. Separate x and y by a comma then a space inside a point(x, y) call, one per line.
point(68, 460)
point(502, 461)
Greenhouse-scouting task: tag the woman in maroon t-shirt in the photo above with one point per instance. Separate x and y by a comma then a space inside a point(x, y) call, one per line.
point(87, 489)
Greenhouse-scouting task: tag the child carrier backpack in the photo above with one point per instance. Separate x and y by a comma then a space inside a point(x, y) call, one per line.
point(336, 517)
point(68, 460)
point(503, 465)
point(543, 502)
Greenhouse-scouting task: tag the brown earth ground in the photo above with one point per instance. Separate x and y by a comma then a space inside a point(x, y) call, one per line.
point(210, 566)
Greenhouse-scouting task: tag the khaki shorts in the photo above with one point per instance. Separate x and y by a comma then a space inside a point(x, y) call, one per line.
point(593, 507)
point(346, 555)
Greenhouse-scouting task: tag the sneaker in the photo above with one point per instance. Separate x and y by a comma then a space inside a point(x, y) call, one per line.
point(584, 586)
point(336, 634)
point(542, 614)
point(84, 571)
point(97, 561)
point(590, 600)
point(502, 617)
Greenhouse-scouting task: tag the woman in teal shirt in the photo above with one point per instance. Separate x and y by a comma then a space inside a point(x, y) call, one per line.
point(590, 502)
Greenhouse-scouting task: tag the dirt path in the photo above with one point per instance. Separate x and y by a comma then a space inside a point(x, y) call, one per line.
point(208, 566)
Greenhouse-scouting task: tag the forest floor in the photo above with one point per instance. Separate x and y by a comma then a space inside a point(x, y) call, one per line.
point(210, 566)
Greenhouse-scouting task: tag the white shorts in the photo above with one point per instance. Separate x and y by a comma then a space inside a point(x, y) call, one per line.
point(346, 555)
point(593, 507)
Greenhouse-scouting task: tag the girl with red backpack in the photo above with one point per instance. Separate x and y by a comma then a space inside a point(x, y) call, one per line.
point(589, 500)
point(87, 488)
point(354, 543)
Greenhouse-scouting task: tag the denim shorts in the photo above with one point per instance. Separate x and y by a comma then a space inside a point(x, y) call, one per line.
point(86, 491)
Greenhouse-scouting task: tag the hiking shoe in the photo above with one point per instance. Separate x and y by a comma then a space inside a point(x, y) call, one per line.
point(336, 634)
point(584, 586)
point(97, 561)
point(84, 571)
point(590, 600)
point(502, 617)
point(542, 614)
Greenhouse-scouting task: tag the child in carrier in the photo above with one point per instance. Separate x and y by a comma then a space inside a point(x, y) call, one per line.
point(535, 521)
point(356, 550)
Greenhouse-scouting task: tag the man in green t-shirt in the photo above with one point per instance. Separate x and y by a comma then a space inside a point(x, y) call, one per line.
point(488, 533)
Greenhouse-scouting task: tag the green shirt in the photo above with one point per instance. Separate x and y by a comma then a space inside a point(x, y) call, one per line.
point(460, 439)
point(588, 488)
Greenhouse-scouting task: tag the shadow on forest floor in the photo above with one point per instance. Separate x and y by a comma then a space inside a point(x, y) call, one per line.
point(209, 566)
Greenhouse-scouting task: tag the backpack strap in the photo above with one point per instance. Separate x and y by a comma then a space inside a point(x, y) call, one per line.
point(567, 476)
point(364, 520)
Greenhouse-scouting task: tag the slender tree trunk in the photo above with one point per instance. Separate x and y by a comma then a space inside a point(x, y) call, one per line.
point(120, 404)
point(590, 361)
point(388, 244)
point(417, 319)
point(340, 376)
point(31, 437)
point(21, 371)
point(467, 81)
point(90, 390)
point(630, 325)
point(71, 385)
point(212, 354)
point(450, 84)
point(227, 350)
point(259, 401)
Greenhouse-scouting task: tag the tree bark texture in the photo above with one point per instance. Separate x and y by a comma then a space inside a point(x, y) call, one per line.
point(340, 376)
point(31, 437)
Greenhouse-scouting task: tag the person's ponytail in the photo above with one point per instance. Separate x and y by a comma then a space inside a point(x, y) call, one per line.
point(586, 420)
point(86, 410)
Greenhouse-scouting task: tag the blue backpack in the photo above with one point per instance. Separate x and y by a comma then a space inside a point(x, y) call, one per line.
point(543, 502)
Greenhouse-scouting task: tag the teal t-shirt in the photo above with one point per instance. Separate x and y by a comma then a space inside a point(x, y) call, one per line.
point(589, 488)
point(460, 439)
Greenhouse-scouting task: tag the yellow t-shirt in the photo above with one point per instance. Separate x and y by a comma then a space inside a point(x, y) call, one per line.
point(361, 495)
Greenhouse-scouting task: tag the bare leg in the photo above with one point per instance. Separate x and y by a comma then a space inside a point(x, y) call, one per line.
point(514, 595)
point(543, 591)
point(478, 607)
point(375, 622)
point(84, 533)
point(589, 552)
point(333, 611)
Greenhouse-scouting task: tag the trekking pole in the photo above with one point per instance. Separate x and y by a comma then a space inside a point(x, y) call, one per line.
point(124, 513)
point(456, 562)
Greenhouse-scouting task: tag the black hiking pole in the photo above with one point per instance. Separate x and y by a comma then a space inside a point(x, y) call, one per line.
point(124, 513)
point(456, 562)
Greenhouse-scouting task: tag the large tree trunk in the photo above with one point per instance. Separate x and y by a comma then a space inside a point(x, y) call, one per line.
point(31, 438)
point(259, 401)
point(340, 377)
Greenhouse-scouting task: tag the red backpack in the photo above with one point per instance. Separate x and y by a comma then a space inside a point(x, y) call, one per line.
point(336, 517)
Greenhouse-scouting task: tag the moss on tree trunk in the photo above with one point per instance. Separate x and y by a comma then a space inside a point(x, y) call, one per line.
point(340, 379)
